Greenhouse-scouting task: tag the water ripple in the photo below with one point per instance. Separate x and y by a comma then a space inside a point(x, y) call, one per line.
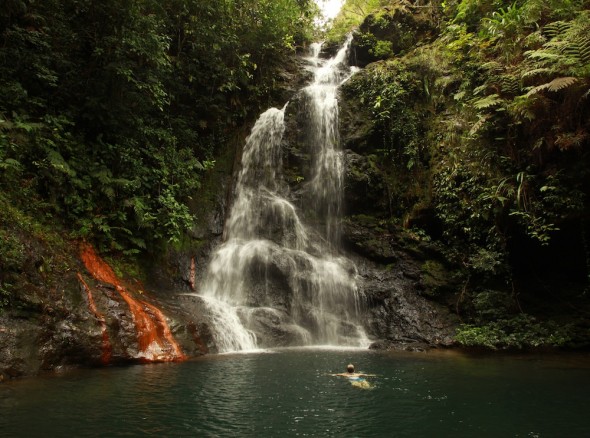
point(291, 393)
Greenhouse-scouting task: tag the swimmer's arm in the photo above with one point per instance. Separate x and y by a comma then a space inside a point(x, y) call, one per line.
point(353, 375)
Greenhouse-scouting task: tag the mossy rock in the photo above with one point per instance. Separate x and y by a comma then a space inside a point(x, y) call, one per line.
point(357, 128)
point(435, 277)
point(391, 31)
point(364, 185)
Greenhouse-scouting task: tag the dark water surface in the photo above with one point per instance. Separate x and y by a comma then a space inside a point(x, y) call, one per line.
point(288, 393)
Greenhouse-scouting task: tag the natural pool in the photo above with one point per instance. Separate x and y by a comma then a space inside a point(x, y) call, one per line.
point(289, 393)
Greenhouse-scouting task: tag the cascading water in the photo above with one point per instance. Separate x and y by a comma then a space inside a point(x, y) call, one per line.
point(327, 183)
point(276, 281)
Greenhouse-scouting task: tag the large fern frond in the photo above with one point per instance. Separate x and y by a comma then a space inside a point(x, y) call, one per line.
point(492, 66)
point(536, 72)
point(567, 53)
point(542, 54)
point(569, 140)
point(488, 102)
point(510, 84)
point(481, 122)
point(555, 85)
point(556, 28)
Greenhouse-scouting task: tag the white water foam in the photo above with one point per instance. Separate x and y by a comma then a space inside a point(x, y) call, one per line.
point(276, 281)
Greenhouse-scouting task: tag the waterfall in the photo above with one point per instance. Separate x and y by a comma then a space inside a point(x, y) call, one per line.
point(327, 182)
point(277, 281)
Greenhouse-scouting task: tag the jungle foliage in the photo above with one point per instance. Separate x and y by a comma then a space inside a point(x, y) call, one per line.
point(351, 15)
point(491, 120)
point(111, 111)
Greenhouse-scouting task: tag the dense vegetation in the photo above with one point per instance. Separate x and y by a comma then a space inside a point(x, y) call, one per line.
point(111, 111)
point(481, 108)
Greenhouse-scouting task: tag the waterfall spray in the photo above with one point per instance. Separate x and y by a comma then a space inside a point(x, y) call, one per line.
point(276, 281)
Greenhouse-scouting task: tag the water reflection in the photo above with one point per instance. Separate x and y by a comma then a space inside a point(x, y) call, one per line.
point(290, 393)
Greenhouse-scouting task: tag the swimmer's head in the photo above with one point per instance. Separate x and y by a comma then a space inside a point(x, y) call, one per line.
point(350, 368)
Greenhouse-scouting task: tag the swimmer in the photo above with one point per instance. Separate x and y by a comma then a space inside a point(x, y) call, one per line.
point(350, 374)
point(356, 379)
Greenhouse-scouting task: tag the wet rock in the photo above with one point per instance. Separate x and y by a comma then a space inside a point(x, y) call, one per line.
point(64, 332)
point(363, 235)
point(399, 275)
point(364, 190)
point(397, 313)
point(291, 78)
point(274, 328)
point(297, 163)
point(18, 347)
point(267, 282)
point(189, 324)
point(356, 126)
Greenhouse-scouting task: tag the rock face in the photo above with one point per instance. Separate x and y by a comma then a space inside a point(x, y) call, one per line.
point(405, 281)
point(366, 191)
point(81, 321)
point(65, 318)
point(394, 268)
point(395, 275)
point(391, 31)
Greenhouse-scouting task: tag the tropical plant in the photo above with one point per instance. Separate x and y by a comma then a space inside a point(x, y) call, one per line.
point(110, 111)
point(518, 332)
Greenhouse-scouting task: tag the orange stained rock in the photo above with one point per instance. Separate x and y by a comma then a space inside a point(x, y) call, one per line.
point(156, 343)
point(193, 274)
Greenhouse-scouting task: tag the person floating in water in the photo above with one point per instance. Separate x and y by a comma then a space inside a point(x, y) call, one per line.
point(350, 373)
point(356, 379)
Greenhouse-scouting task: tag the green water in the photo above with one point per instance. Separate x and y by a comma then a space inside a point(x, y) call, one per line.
point(288, 393)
